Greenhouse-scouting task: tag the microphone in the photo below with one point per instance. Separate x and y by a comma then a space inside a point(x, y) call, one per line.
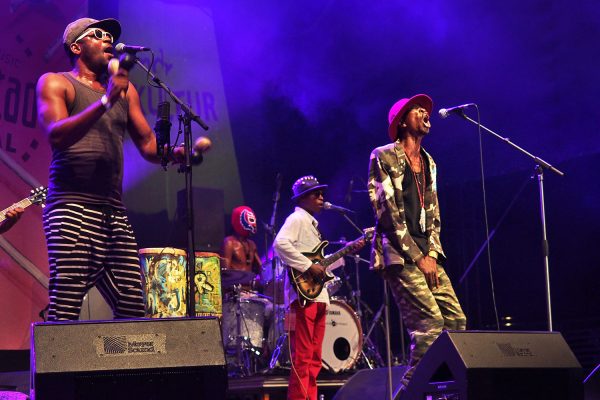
point(201, 146)
point(124, 48)
point(126, 61)
point(113, 66)
point(444, 112)
point(162, 127)
point(328, 206)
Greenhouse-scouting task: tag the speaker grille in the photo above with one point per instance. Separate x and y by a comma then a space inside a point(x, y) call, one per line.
point(122, 345)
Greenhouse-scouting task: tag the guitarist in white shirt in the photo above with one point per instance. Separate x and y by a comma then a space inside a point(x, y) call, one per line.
point(12, 216)
point(300, 234)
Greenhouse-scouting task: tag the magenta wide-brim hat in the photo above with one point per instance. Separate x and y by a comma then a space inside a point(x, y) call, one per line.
point(401, 107)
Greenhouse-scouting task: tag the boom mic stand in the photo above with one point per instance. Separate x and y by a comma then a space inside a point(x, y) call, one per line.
point(276, 341)
point(386, 300)
point(539, 171)
point(187, 117)
point(276, 197)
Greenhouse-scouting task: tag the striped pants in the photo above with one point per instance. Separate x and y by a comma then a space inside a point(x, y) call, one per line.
point(91, 245)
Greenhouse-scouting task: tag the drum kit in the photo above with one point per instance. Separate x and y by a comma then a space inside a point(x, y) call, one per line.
point(254, 326)
point(253, 314)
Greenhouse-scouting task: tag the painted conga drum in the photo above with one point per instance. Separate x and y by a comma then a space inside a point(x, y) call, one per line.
point(208, 285)
point(164, 272)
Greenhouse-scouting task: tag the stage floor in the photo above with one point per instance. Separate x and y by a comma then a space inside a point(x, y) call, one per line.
point(274, 387)
point(258, 387)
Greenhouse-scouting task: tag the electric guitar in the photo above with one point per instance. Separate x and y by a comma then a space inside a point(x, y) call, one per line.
point(38, 196)
point(309, 285)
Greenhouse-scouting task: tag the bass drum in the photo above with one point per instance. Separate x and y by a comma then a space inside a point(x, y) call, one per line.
point(343, 337)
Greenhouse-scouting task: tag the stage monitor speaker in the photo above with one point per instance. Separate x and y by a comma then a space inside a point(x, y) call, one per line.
point(591, 385)
point(128, 359)
point(370, 383)
point(475, 365)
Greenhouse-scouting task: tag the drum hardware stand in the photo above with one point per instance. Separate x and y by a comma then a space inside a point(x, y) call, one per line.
point(386, 307)
point(186, 117)
point(277, 350)
point(357, 302)
point(367, 342)
point(388, 346)
point(242, 342)
point(404, 360)
point(279, 336)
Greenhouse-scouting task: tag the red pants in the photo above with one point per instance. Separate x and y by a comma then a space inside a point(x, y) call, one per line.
point(306, 342)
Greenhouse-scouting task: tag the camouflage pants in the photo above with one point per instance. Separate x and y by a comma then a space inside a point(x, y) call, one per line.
point(425, 312)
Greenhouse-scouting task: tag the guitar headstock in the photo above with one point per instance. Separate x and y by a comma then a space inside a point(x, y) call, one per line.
point(364, 239)
point(38, 195)
point(368, 233)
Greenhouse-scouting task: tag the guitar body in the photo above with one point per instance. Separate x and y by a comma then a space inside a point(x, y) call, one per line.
point(308, 285)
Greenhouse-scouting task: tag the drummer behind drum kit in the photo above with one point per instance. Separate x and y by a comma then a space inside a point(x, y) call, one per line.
point(248, 314)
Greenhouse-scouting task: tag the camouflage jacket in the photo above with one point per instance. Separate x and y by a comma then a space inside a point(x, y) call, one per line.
point(392, 243)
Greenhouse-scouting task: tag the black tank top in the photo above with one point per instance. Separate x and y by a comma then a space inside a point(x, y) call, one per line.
point(91, 170)
point(412, 205)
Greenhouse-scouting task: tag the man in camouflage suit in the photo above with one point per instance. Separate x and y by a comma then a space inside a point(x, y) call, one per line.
point(406, 248)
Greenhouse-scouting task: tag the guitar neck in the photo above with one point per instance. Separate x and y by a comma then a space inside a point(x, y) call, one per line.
point(23, 204)
point(349, 248)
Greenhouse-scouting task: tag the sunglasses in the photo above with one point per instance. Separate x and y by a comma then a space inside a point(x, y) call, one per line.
point(97, 33)
point(317, 193)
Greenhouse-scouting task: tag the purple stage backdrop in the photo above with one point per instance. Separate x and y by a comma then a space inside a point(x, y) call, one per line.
point(298, 88)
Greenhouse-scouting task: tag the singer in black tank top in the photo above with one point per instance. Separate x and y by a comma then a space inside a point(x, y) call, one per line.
point(86, 113)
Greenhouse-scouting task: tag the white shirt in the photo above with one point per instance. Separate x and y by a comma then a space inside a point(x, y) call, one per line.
point(299, 234)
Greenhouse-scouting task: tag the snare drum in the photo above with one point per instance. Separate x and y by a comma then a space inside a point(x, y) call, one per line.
point(207, 281)
point(164, 273)
point(343, 337)
point(333, 285)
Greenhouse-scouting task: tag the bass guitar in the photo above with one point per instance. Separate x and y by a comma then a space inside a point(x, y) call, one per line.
point(309, 285)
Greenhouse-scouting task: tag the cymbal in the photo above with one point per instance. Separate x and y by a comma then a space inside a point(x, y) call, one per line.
point(230, 277)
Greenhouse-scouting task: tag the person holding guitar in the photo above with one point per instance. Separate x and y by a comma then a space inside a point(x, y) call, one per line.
point(12, 216)
point(406, 248)
point(300, 234)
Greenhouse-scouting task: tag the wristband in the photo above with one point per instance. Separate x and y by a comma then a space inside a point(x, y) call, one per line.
point(105, 102)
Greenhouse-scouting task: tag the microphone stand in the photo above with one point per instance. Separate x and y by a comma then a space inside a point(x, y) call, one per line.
point(277, 318)
point(276, 197)
point(388, 345)
point(187, 118)
point(351, 222)
point(539, 171)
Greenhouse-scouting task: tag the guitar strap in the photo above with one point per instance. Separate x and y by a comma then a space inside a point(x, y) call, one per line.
point(316, 226)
